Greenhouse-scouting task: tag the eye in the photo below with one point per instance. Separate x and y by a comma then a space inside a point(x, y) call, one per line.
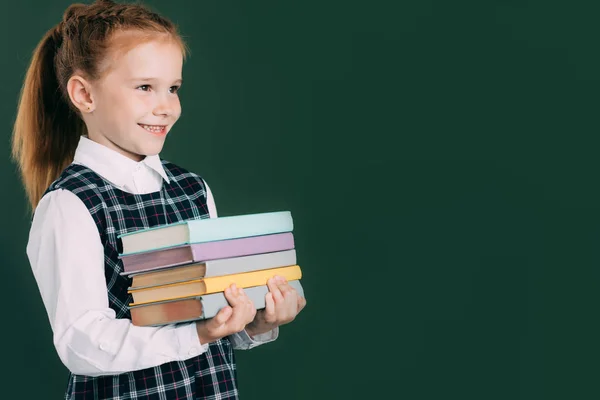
point(175, 89)
point(145, 88)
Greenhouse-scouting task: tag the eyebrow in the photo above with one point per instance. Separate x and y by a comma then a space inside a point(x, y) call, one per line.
point(177, 81)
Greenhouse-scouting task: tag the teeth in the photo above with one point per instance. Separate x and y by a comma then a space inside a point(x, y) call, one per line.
point(153, 128)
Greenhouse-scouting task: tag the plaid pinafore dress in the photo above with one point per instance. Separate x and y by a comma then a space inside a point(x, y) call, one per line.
point(210, 375)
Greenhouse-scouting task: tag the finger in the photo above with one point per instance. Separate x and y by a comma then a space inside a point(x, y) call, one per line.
point(290, 296)
point(269, 313)
point(248, 304)
point(301, 303)
point(272, 284)
point(247, 298)
point(242, 300)
point(243, 313)
point(221, 318)
point(232, 295)
point(240, 319)
point(281, 280)
point(274, 289)
point(285, 288)
point(289, 305)
point(288, 292)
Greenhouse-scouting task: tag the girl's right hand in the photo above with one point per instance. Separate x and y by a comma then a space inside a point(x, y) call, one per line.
point(230, 319)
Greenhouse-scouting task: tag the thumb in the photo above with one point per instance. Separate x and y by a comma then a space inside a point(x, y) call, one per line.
point(221, 318)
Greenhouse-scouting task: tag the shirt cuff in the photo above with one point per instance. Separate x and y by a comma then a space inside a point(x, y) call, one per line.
point(189, 343)
point(243, 341)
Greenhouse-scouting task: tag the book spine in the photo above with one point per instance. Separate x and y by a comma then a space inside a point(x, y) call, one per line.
point(165, 312)
point(213, 229)
point(238, 265)
point(242, 247)
point(158, 259)
point(213, 303)
point(249, 279)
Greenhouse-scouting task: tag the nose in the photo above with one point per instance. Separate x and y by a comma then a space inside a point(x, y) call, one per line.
point(165, 105)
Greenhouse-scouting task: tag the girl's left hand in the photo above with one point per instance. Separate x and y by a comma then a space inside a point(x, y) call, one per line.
point(282, 304)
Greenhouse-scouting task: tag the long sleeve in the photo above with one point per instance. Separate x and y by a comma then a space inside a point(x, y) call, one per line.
point(240, 340)
point(67, 260)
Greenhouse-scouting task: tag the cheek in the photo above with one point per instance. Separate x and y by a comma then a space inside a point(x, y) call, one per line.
point(176, 107)
point(123, 103)
point(136, 106)
point(141, 101)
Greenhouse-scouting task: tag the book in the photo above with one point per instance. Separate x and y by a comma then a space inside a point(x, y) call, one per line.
point(195, 308)
point(199, 252)
point(200, 287)
point(205, 230)
point(207, 269)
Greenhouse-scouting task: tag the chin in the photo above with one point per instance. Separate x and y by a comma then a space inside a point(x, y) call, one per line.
point(151, 151)
point(139, 152)
point(150, 146)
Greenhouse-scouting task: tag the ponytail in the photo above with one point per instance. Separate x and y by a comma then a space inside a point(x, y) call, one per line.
point(47, 128)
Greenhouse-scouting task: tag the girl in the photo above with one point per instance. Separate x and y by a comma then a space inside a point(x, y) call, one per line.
point(98, 101)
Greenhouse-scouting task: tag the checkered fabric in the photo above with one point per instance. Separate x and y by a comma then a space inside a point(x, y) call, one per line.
point(211, 375)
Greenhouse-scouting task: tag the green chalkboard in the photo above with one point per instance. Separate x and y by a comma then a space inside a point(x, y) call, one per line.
point(440, 160)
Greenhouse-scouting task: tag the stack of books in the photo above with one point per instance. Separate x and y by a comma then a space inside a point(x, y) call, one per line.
point(179, 271)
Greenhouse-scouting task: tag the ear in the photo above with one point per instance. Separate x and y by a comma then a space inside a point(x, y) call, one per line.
point(80, 93)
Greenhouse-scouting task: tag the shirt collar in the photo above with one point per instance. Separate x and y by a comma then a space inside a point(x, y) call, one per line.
point(112, 165)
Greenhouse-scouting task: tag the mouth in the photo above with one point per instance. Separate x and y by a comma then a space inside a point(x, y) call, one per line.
point(159, 130)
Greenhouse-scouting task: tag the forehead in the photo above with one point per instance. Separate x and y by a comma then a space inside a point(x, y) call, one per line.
point(150, 56)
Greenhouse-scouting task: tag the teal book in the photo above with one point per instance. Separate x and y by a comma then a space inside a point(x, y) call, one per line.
point(205, 230)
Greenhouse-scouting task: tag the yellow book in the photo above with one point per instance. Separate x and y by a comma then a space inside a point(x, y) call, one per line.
point(200, 287)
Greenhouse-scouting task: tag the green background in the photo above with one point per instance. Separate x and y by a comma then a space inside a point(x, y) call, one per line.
point(440, 162)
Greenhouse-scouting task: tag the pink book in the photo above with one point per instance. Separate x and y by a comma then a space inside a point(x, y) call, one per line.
point(199, 252)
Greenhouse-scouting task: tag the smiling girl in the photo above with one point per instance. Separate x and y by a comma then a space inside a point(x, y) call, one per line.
point(99, 99)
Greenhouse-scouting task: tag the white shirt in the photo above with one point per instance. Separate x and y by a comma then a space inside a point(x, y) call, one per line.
point(67, 259)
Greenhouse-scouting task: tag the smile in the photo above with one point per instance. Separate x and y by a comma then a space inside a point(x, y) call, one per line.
point(160, 129)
